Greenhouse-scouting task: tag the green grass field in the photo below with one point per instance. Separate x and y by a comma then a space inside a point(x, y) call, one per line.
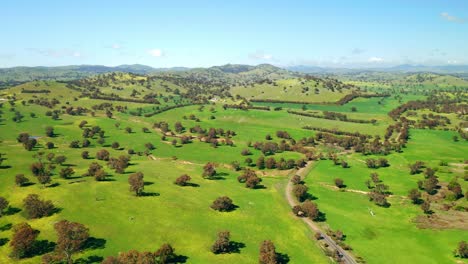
point(182, 217)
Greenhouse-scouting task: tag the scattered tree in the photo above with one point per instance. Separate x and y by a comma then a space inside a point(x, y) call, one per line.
point(136, 183)
point(222, 243)
point(37, 208)
point(71, 238)
point(223, 204)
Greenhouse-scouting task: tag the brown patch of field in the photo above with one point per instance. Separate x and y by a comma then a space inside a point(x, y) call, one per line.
point(451, 220)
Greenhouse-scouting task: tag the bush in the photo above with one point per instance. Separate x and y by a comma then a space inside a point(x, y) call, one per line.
point(223, 204)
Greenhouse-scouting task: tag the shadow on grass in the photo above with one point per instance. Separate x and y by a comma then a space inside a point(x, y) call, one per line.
point(89, 260)
point(41, 247)
point(12, 210)
point(94, 243)
point(3, 241)
point(148, 183)
point(6, 227)
point(235, 247)
point(5, 167)
point(53, 185)
point(179, 259)
point(149, 194)
point(282, 258)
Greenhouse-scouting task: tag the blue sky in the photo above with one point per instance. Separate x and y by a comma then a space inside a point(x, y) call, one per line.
point(329, 33)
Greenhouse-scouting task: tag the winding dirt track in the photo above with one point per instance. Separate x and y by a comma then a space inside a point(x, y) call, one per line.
point(345, 256)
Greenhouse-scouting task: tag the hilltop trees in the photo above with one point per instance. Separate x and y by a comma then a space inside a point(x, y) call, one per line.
point(308, 209)
point(300, 191)
point(23, 240)
point(136, 183)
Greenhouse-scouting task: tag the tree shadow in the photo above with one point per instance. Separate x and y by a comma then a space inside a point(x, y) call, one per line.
point(259, 187)
point(53, 185)
point(191, 184)
point(282, 258)
point(89, 260)
point(216, 177)
point(5, 167)
point(322, 217)
point(235, 247)
point(148, 183)
point(179, 259)
point(41, 247)
point(27, 184)
point(6, 227)
point(12, 210)
point(149, 194)
point(94, 243)
point(3, 241)
point(310, 196)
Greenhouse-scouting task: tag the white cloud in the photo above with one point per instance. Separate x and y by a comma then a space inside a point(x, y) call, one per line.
point(375, 60)
point(260, 55)
point(116, 46)
point(451, 18)
point(155, 52)
point(77, 54)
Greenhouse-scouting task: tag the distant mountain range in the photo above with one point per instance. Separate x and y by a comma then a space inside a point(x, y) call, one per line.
point(24, 74)
point(408, 68)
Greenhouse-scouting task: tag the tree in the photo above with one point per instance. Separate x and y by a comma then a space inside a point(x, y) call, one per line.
point(128, 130)
point(71, 237)
point(260, 163)
point(22, 137)
point(50, 145)
point(115, 145)
point(300, 191)
point(21, 180)
point(60, 159)
point(182, 180)
point(209, 170)
point(85, 154)
point(136, 183)
point(3, 205)
point(37, 208)
point(23, 240)
point(66, 172)
point(426, 207)
point(44, 179)
point(102, 155)
point(310, 210)
point(339, 183)
point(222, 243)
point(74, 144)
point(49, 131)
point(165, 254)
point(296, 179)
point(268, 253)
point(462, 249)
point(30, 144)
point(223, 204)
point(415, 196)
